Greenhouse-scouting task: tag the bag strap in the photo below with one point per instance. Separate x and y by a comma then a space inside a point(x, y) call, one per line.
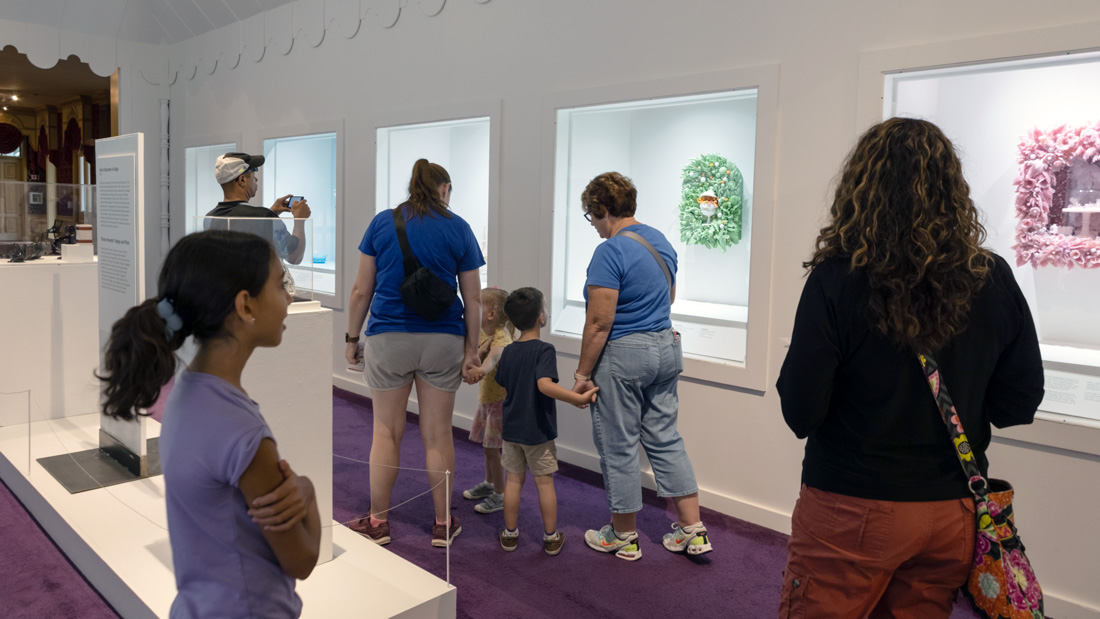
point(652, 250)
point(977, 483)
point(411, 263)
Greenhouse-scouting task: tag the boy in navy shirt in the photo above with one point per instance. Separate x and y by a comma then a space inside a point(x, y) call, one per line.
point(528, 371)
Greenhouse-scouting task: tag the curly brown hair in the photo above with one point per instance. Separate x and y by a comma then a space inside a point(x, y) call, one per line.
point(610, 193)
point(903, 214)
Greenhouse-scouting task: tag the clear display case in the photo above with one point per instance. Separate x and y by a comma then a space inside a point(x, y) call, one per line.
point(460, 146)
point(307, 166)
point(201, 189)
point(37, 219)
point(1031, 152)
point(291, 239)
point(693, 160)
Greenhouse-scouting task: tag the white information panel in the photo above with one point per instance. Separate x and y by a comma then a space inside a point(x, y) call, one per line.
point(1021, 126)
point(119, 236)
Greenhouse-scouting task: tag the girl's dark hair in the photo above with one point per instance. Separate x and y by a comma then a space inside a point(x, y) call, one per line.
point(610, 193)
point(201, 277)
point(424, 189)
point(903, 213)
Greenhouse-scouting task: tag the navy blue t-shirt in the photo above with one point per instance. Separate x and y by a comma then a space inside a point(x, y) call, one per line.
point(530, 418)
point(445, 245)
point(626, 265)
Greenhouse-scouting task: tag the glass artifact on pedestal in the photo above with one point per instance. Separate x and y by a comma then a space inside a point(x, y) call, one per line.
point(460, 146)
point(291, 239)
point(1032, 157)
point(38, 219)
point(306, 167)
point(201, 189)
point(692, 159)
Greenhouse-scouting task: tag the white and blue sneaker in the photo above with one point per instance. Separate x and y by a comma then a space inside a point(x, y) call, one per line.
point(693, 540)
point(607, 540)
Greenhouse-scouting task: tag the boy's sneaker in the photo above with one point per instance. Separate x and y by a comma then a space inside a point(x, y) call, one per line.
point(693, 541)
point(379, 535)
point(443, 535)
point(492, 503)
point(479, 491)
point(552, 543)
point(508, 541)
point(605, 540)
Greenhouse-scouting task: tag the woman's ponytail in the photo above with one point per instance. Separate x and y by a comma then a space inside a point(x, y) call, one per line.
point(139, 360)
point(424, 189)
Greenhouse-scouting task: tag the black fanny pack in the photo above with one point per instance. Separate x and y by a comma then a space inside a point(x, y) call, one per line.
point(422, 291)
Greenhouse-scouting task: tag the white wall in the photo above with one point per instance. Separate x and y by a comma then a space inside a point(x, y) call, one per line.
point(747, 461)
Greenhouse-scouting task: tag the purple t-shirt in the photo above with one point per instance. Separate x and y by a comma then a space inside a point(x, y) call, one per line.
point(224, 567)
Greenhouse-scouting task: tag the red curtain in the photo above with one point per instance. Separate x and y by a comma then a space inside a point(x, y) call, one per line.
point(11, 138)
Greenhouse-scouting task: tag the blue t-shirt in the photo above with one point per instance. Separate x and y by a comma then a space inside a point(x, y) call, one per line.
point(530, 418)
point(224, 567)
point(626, 265)
point(445, 245)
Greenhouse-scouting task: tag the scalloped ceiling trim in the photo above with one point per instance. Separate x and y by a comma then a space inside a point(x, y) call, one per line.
point(307, 21)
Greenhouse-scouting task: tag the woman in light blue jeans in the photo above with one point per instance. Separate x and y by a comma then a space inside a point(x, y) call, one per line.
point(632, 353)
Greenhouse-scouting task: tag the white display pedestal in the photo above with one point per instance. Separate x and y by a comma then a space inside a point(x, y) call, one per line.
point(118, 538)
point(49, 330)
point(293, 386)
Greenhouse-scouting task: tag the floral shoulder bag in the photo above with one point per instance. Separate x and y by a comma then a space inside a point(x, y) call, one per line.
point(1002, 584)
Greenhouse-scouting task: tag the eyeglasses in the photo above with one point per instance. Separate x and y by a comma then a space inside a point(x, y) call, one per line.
point(588, 216)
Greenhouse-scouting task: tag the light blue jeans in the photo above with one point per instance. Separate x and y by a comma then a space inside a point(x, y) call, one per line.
point(637, 375)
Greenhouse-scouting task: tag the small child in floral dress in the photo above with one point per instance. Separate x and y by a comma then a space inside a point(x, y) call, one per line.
point(496, 333)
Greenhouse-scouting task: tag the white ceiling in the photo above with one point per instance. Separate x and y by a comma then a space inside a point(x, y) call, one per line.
point(146, 21)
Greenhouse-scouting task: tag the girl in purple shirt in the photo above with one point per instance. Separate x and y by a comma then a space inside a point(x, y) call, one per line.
point(242, 525)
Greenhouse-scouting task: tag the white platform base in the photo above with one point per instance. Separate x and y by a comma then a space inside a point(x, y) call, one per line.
point(118, 538)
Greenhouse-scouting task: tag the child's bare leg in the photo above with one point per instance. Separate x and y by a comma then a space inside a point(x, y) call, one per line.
point(512, 489)
point(548, 502)
point(494, 469)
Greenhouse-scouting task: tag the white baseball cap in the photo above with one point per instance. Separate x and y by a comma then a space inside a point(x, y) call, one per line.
point(231, 165)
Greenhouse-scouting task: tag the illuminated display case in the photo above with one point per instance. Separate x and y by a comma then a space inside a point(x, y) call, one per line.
point(291, 239)
point(697, 160)
point(461, 146)
point(1030, 153)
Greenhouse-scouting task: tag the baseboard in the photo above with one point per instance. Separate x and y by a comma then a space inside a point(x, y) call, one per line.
point(732, 506)
point(109, 585)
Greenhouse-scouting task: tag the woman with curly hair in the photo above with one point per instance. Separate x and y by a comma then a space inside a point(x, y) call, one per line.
point(884, 524)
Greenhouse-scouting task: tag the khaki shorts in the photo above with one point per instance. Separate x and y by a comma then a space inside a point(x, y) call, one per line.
point(393, 359)
point(543, 458)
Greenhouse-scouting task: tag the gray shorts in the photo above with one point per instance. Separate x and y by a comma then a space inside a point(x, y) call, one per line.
point(542, 459)
point(392, 360)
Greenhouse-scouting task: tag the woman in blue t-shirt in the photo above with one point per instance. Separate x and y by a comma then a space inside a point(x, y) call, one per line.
point(241, 524)
point(632, 353)
point(402, 348)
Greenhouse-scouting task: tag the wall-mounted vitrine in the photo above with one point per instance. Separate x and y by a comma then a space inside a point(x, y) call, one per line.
point(700, 151)
point(306, 162)
point(461, 146)
point(1028, 134)
point(201, 189)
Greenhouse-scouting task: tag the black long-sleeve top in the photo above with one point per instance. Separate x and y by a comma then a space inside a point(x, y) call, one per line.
point(873, 426)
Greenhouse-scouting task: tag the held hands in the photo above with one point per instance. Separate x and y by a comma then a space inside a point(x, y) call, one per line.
point(286, 505)
point(476, 375)
point(469, 364)
point(584, 398)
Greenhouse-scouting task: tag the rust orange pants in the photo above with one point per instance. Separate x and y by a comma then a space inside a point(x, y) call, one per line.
point(853, 558)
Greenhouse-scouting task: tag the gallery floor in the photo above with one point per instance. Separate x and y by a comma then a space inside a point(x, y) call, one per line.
point(741, 578)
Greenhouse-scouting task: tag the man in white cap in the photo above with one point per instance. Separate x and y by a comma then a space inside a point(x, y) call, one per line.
point(236, 173)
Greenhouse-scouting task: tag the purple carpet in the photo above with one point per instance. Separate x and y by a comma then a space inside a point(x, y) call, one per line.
point(741, 578)
point(36, 580)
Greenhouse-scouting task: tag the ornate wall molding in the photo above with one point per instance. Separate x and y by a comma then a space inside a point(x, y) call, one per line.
point(278, 31)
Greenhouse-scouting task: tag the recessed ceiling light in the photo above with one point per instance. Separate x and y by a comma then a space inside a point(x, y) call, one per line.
point(5, 108)
point(15, 97)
